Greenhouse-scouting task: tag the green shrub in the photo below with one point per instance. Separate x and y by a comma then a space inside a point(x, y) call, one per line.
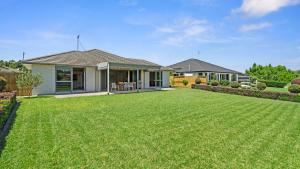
point(224, 83)
point(261, 86)
point(2, 83)
point(185, 82)
point(235, 84)
point(296, 81)
point(294, 88)
point(197, 81)
point(29, 81)
point(273, 83)
point(214, 83)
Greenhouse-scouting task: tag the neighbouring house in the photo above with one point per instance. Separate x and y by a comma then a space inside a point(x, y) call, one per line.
point(195, 67)
point(95, 71)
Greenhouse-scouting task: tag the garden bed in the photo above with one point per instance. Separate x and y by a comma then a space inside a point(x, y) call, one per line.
point(252, 93)
point(7, 102)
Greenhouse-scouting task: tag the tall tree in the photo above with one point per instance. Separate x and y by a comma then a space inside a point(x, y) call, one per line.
point(278, 73)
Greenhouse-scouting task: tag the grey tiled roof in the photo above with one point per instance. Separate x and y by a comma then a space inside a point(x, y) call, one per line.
point(195, 65)
point(86, 58)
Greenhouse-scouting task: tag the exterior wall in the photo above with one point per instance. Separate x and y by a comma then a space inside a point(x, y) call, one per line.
point(165, 79)
point(48, 74)
point(90, 83)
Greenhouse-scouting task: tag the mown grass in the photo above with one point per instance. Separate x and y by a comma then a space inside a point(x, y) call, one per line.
point(276, 89)
point(173, 129)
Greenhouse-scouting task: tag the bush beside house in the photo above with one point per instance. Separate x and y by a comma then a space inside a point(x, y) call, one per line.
point(261, 86)
point(224, 83)
point(235, 84)
point(214, 83)
point(29, 81)
point(185, 82)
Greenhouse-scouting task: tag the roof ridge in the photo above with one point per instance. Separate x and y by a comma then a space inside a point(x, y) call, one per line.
point(46, 56)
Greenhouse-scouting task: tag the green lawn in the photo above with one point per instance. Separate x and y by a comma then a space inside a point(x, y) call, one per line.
point(172, 129)
point(275, 89)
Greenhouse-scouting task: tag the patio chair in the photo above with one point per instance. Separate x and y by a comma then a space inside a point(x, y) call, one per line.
point(113, 86)
point(130, 86)
point(126, 86)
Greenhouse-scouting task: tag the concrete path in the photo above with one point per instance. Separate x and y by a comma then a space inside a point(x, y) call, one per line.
point(80, 95)
point(62, 96)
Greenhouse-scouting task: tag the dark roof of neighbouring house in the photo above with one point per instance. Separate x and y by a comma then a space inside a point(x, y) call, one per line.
point(8, 70)
point(86, 58)
point(195, 65)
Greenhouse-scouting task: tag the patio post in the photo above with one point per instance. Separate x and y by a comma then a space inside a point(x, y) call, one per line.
point(160, 78)
point(128, 76)
point(230, 77)
point(108, 86)
point(137, 80)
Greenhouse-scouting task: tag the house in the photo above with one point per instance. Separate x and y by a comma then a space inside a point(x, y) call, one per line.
point(95, 71)
point(195, 67)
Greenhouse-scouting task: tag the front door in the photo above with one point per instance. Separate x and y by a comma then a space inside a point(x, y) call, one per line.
point(78, 79)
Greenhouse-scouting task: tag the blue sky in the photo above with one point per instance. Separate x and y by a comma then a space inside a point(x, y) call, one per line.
point(231, 33)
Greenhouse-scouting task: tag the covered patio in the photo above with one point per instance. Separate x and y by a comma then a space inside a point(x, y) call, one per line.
point(122, 78)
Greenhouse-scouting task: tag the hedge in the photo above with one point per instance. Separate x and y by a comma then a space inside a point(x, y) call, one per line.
point(273, 83)
point(7, 102)
point(252, 93)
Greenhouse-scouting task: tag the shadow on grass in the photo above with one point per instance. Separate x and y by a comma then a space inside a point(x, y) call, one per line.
point(4, 131)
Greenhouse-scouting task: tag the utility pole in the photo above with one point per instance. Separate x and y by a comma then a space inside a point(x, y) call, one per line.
point(78, 36)
point(23, 55)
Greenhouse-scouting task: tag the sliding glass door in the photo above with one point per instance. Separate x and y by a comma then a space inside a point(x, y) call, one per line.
point(155, 79)
point(78, 79)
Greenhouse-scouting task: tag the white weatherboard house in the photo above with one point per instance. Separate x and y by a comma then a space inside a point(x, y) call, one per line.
point(95, 71)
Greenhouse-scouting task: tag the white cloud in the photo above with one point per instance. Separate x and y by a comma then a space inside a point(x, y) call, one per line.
point(165, 30)
point(253, 27)
point(260, 8)
point(182, 30)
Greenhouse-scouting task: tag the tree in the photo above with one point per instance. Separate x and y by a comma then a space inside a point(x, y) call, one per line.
point(13, 64)
point(278, 73)
point(29, 81)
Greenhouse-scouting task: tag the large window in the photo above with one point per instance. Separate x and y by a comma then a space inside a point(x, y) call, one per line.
point(155, 79)
point(63, 79)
